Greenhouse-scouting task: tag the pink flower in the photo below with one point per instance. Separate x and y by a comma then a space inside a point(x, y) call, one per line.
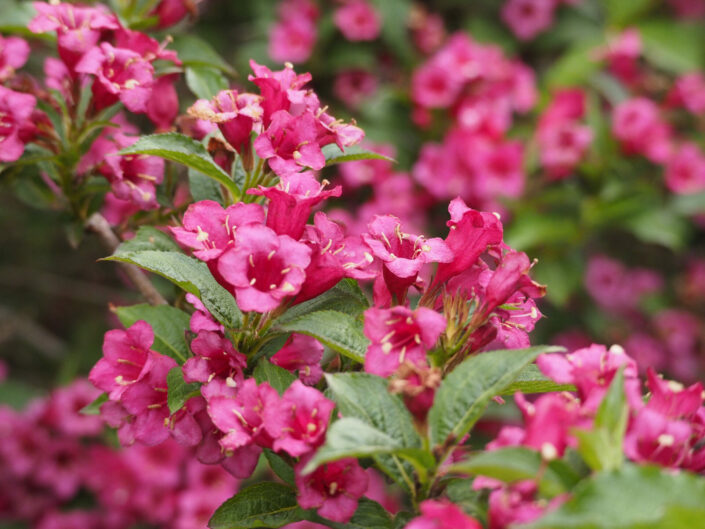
point(78, 27)
point(518, 503)
point(689, 92)
point(209, 229)
point(653, 437)
point(292, 39)
point(15, 123)
point(357, 20)
point(170, 12)
point(298, 422)
point(622, 56)
point(403, 254)
point(433, 86)
point(333, 488)
point(14, 52)
point(528, 18)
point(399, 335)
point(639, 127)
point(283, 90)
point(126, 359)
point(291, 202)
point(235, 114)
point(442, 515)
point(63, 411)
point(562, 146)
point(548, 422)
point(591, 371)
point(264, 268)
point(202, 319)
point(353, 87)
point(303, 354)
point(163, 103)
point(471, 233)
point(685, 170)
point(121, 74)
point(290, 143)
point(215, 356)
point(242, 419)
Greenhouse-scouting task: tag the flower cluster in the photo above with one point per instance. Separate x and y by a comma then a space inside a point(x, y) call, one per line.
point(57, 472)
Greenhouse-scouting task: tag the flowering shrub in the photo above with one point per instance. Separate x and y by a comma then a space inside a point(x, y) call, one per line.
point(313, 366)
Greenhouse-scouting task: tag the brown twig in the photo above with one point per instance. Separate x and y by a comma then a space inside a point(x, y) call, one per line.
point(97, 224)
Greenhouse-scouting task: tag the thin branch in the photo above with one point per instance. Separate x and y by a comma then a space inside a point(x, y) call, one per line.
point(97, 224)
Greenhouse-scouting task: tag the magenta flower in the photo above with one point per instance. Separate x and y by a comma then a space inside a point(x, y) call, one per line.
point(235, 114)
point(399, 335)
point(471, 233)
point(433, 86)
point(518, 503)
point(291, 202)
point(15, 123)
point(689, 92)
point(685, 170)
point(202, 319)
point(215, 356)
point(242, 419)
point(264, 268)
point(163, 103)
point(121, 74)
point(146, 401)
point(290, 143)
point(655, 438)
point(209, 229)
point(126, 359)
point(303, 354)
point(548, 422)
point(402, 254)
point(357, 20)
point(442, 515)
point(298, 422)
point(292, 39)
point(14, 52)
point(353, 87)
point(591, 371)
point(77, 27)
point(528, 18)
point(283, 90)
point(672, 399)
point(333, 488)
point(170, 12)
point(638, 125)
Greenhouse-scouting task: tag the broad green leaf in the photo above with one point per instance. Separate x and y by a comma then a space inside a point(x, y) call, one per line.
point(532, 380)
point(280, 467)
point(346, 296)
point(515, 463)
point(466, 391)
point(203, 188)
point(334, 155)
point(205, 82)
point(178, 390)
point(259, 505)
point(676, 47)
point(460, 492)
point(688, 204)
point(149, 238)
point(660, 226)
point(187, 273)
point(277, 377)
point(194, 52)
point(633, 497)
point(184, 150)
point(394, 30)
point(352, 437)
point(337, 330)
point(94, 407)
point(169, 325)
point(576, 66)
point(365, 397)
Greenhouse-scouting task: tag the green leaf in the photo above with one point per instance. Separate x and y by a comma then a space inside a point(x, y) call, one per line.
point(515, 463)
point(673, 46)
point(94, 407)
point(149, 238)
point(184, 150)
point(334, 155)
point(365, 397)
point(688, 204)
point(259, 505)
point(621, 13)
point(576, 66)
point(601, 446)
point(188, 274)
point(660, 226)
point(204, 188)
point(394, 29)
point(460, 492)
point(277, 377)
point(337, 330)
point(169, 325)
point(205, 82)
point(532, 380)
point(466, 391)
point(352, 437)
point(195, 52)
point(369, 515)
point(346, 296)
point(280, 467)
point(633, 497)
point(178, 390)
